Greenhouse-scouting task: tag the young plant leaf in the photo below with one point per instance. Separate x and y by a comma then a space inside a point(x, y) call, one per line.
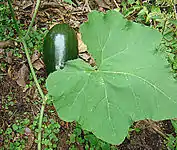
point(68, 1)
point(132, 82)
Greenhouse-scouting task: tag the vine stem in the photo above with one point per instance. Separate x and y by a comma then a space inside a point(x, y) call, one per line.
point(44, 98)
point(14, 19)
point(32, 69)
point(40, 121)
point(33, 18)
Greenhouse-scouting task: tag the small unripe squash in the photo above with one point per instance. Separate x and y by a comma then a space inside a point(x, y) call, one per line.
point(60, 45)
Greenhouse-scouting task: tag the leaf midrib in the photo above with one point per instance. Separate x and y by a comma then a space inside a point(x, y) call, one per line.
point(142, 79)
point(129, 74)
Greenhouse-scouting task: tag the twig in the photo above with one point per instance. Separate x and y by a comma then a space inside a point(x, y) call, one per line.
point(116, 3)
point(155, 128)
point(87, 5)
point(50, 5)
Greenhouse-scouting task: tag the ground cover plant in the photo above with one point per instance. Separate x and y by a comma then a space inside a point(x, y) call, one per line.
point(134, 80)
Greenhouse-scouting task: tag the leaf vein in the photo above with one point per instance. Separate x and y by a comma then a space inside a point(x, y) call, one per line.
point(133, 93)
point(108, 108)
point(116, 54)
point(77, 95)
point(141, 78)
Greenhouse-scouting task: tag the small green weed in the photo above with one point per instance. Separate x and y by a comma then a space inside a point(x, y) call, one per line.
point(87, 140)
point(6, 25)
point(50, 134)
point(14, 136)
point(51, 130)
point(171, 142)
point(35, 39)
point(159, 15)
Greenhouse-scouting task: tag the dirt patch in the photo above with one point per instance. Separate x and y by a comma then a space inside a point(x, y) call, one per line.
point(148, 137)
point(10, 91)
point(144, 140)
point(12, 105)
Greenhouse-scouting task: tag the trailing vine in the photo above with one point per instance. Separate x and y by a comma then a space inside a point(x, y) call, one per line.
point(22, 40)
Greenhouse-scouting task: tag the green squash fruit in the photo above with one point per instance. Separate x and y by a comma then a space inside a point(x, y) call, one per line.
point(60, 45)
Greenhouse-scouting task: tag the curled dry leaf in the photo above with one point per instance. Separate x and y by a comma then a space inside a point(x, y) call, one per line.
point(22, 76)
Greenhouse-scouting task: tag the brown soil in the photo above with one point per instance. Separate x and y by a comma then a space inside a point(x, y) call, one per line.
point(149, 137)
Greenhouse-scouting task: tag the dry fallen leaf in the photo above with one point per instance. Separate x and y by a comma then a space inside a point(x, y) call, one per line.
point(22, 76)
point(5, 44)
point(38, 64)
point(37, 61)
point(35, 56)
point(102, 3)
point(81, 46)
point(83, 53)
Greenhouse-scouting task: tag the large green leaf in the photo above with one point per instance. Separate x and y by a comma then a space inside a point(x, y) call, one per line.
point(133, 81)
